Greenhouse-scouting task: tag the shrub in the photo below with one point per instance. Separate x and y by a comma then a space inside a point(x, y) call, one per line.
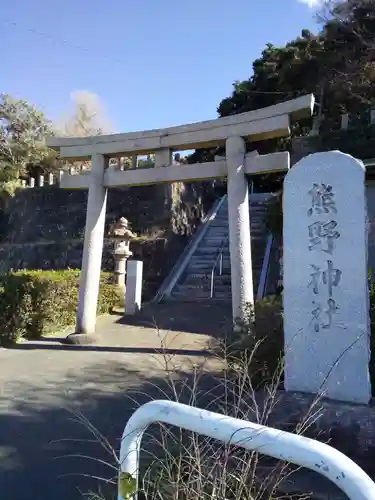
point(35, 303)
point(266, 334)
point(264, 338)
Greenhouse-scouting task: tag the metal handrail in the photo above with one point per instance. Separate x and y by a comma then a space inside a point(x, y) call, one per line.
point(179, 267)
point(265, 268)
point(218, 260)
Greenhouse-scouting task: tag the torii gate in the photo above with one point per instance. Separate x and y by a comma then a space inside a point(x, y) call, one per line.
point(265, 123)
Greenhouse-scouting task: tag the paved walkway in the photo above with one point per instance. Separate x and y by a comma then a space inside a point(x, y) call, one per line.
point(44, 386)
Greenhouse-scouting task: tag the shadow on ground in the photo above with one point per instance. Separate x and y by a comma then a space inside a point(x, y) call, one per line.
point(47, 451)
point(206, 318)
point(56, 344)
point(44, 450)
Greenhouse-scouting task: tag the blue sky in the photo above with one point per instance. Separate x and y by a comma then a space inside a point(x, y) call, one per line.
point(153, 63)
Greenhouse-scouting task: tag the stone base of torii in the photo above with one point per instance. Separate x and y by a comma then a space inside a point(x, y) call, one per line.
point(236, 166)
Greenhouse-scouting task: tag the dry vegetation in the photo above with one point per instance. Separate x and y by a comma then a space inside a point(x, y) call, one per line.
point(178, 464)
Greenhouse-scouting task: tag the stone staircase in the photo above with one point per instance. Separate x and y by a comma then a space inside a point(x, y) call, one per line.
point(212, 252)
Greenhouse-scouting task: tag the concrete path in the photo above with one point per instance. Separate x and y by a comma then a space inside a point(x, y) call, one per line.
point(45, 386)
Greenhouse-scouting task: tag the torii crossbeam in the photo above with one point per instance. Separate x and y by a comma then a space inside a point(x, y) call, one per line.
point(262, 124)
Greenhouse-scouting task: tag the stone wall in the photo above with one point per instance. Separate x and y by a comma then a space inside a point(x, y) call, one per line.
point(43, 228)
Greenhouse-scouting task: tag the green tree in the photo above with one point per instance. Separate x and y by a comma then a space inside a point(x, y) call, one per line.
point(281, 73)
point(337, 65)
point(22, 141)
point(348, 30)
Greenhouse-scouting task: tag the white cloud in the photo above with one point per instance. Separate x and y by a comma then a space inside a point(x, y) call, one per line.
point(313, 4)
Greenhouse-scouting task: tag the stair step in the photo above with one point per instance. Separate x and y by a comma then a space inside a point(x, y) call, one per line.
point(217, 231)
point(216, 246)
point(211, 251)
point(213, 248)
point(220, 291)
point(223, 221)
point(254, 207)
point(214, 234)
point(205, 256)
point(206, 270)
point(199, 274)
point(204, 267)
point(202, 279)
point(208, 264)
point(199, 296)
point(195, 283)
point(198, 293)
point(215, 240)
point(187, 298)
point(203, 287)
point(211, 259)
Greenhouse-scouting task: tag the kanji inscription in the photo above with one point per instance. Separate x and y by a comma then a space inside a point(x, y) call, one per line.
point(323, 234)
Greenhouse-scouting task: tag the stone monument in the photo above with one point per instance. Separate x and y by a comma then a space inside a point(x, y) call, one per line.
point(326, 303)
point(133, 297)
point(121, 235)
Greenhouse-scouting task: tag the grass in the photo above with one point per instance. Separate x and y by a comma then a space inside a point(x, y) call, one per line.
point(178, 464)
point(190, 466)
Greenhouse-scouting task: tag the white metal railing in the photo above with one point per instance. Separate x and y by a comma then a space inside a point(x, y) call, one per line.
point(305, 452)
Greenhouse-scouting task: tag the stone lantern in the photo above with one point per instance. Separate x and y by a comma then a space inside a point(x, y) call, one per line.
point(121, 235)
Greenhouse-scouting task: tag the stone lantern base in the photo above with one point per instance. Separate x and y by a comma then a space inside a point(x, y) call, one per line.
point(121, 256)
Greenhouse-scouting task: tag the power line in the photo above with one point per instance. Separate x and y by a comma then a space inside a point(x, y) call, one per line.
point(117, 61)
point(56, 39)
point(271, 93)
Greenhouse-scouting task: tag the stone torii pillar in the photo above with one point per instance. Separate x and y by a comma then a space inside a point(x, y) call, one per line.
point(92, 254)
point(239, 240)
point(239, 227)
point(256, 125)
